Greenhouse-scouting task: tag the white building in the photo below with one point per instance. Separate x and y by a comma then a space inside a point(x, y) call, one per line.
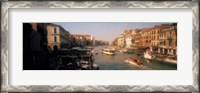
point(121, 41)
point(128, 41)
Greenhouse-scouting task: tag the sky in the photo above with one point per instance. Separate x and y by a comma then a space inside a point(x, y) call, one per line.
point(103, 30)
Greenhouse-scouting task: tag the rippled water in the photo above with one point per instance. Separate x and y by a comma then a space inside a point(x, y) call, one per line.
point(116, 62)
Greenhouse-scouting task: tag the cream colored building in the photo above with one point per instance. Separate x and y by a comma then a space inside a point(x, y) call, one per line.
point(154, 35)
point(57, 37)
point(128, 41)
point(53, 36)
point(168, 41)
point(121, 41)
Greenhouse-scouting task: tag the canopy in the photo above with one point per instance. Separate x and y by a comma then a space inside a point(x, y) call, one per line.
point(145, 47)
point(154, 47)
point(136, 47)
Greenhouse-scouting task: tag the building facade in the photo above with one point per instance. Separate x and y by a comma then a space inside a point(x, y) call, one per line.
point(121, 40)
point(168, 41)
point(160, 38)
point(58, 37)
point(128, 41)
point(137, 41)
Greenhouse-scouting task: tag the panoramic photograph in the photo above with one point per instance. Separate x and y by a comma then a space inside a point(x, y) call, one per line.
point(100, 46)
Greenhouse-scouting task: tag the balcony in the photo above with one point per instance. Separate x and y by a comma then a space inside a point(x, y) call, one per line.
point(137, 41)
point(162, 46)
point(55, 34)
point(162, 38)
point(170, 38)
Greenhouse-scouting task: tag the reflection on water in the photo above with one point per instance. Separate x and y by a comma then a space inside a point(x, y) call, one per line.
point(116, 62)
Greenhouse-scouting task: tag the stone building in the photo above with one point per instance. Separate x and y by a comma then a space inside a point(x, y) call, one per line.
point(168, 41)
point(145, 37)
point(128, 41)
point(154, 35)
point(58, 37)
point(121, 40)
point(137, 36)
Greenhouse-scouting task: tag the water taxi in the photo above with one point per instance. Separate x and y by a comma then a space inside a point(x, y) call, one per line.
point(108, 51)
point(134, 61)
point(148, 55)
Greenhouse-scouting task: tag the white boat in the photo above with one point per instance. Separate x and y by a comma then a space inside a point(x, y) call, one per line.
point(108, 51)
point(87, 67)
point(134, 62)
point(84, 62)
point(126, 61)
point(148, 55)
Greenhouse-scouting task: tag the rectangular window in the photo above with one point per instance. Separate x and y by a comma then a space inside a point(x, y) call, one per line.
point(176, 43)
point(164, 42)
point(170, 43)
point(54, 30)
point(55, 39)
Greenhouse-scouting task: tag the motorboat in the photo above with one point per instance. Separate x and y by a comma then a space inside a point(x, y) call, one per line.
point(134, 61)
point(87, 67)
point(108, 51)
point(148, 55)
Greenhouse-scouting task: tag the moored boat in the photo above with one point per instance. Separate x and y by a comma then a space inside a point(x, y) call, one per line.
point(86, 65)
point(77, 59)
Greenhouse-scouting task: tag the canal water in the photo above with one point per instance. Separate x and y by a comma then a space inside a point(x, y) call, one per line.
point(116, 62)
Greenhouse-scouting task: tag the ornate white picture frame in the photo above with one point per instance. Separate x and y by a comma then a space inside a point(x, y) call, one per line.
point(6, 5)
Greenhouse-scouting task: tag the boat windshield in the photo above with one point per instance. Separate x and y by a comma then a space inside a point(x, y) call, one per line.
point(107, 50)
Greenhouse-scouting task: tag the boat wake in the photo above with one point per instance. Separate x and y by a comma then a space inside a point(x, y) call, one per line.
point(145, 67)
point(136, 64)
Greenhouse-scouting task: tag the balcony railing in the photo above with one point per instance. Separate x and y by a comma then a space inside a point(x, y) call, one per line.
point(137, 41)
point(55, 34)
point(162, 46)
point(170, 38)
point(162, 38)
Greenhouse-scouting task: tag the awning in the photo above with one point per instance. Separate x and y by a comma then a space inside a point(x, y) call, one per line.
point(145, 47)
point(154, 47)
point(136, 47)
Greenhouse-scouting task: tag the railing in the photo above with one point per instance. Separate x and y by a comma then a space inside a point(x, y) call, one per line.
point(137, 41)
point(163, 46)
point(162, 38)
point(55, 34)
point(170, 38)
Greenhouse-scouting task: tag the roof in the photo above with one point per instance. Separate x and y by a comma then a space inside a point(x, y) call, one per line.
point(51, 24)
point(62, 29)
